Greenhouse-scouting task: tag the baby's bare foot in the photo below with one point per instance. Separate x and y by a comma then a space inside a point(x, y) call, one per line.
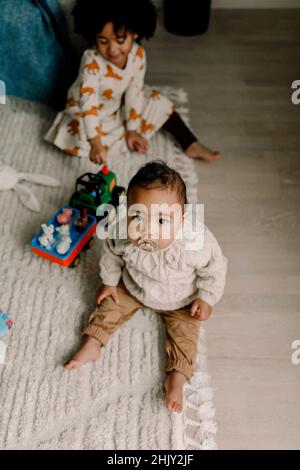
point(90, 351)
point(173, 387)
point(197, 150)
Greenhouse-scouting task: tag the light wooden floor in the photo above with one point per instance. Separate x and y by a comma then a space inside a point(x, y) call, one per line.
point(238, 78)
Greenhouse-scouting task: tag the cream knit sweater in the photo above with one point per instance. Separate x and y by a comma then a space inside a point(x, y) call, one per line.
point(169, 278)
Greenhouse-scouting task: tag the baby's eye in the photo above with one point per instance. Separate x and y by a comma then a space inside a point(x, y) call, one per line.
point(162, 221)
point(139, 218)
point(121, 39)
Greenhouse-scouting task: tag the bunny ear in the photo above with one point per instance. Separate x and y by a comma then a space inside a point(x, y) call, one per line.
point(27, 197)
point(39, 179)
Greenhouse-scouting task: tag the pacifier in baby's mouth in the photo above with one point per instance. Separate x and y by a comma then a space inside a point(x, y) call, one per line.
point(147, 244)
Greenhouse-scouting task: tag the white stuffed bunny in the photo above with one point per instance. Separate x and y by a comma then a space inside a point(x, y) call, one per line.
point(12, 179)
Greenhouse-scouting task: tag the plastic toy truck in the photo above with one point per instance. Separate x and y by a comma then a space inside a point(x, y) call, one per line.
point(92, 190)
point(70, 231)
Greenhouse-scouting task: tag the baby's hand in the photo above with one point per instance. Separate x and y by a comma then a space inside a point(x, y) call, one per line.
point(136, 142)
point(106, 291)
point(201, 309)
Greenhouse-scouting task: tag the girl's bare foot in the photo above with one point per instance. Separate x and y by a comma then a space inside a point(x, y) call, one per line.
point(90, 351)
point(173, 388)
point(197, 150)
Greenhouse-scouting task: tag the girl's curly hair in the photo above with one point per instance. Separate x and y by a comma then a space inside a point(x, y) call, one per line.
point(136, 16)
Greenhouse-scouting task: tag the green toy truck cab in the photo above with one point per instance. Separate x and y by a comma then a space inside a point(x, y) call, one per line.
point(92, 190)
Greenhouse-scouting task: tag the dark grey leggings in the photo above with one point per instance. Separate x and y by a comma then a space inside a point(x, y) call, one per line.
point(179, 130)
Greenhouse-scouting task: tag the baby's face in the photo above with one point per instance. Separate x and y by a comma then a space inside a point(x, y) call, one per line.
point(154, 214)
point(113, 46)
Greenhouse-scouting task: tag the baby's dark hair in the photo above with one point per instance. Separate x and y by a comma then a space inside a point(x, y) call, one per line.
point(157, 174)
point(136, 16)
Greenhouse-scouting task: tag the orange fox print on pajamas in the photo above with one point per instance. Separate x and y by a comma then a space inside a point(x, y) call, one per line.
point(112, 74)
point(74, 127)
point(92, 67)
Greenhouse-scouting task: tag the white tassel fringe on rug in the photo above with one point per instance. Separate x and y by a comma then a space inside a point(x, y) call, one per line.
point(116, 403)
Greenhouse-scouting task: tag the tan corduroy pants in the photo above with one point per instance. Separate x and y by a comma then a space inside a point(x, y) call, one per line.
point(182, 330)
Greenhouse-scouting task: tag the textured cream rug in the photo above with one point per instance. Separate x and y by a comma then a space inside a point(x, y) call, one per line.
point(116, 403)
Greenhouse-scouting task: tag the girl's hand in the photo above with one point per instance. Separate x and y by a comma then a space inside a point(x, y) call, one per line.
point(201, 309)
point(106, 291)
point(136, 142)
point(98, 153)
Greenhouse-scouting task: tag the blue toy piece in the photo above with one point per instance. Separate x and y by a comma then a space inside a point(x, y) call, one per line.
point(5, 323)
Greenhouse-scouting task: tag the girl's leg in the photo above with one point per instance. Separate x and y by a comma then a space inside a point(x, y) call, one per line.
point(187, 140)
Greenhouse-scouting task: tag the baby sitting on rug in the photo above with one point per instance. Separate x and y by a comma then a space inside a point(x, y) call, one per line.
point(158, 264)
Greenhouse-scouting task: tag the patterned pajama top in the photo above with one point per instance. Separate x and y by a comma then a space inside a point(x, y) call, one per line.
point(106, 100)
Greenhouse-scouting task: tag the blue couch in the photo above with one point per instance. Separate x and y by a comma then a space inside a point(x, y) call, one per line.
point(37, 61)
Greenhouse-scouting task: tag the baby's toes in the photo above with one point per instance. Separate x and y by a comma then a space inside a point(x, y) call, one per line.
point(70, 365)
point(170, 405)
point(73, 364)
point(177, 407)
